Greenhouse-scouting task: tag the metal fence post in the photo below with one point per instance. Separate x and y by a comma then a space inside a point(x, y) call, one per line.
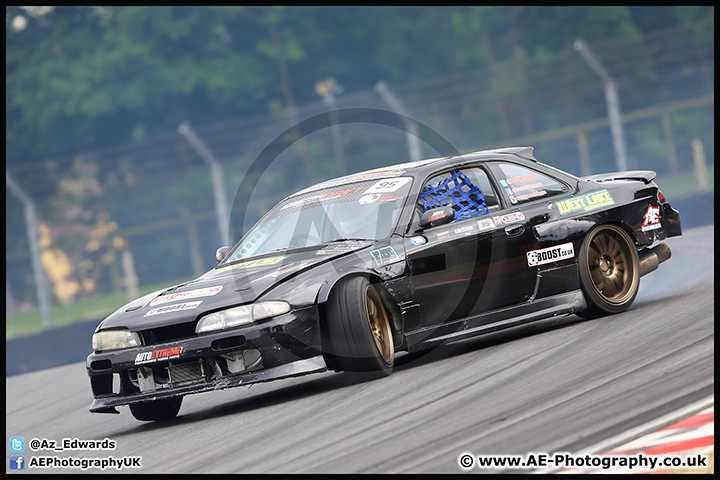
point(32, 233)
point(390, 98)
point(131, 280)
point(701, 172)
point(613, 104)
point(221, 203)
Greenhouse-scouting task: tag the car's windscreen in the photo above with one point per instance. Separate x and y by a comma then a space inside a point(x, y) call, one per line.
point(362, 210)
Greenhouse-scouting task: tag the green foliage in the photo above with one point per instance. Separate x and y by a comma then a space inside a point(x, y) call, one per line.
point(83, 77)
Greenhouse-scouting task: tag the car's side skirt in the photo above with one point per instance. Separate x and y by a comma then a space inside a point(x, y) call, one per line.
point(561, 304)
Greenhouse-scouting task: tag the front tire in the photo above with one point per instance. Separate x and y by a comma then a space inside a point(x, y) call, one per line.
point(156, 411)
point(609, 271)
point(359, 337)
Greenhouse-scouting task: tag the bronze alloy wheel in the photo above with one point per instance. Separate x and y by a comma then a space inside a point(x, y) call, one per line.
point(612, 267)
point(357, 334)
point(379, 325)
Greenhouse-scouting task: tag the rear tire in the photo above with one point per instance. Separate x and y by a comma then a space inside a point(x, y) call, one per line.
point(609, 271)
point(157, 410)
point(359, 336)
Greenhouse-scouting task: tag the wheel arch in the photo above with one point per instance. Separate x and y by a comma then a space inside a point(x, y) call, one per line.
point(391, 306)
point(617, 222)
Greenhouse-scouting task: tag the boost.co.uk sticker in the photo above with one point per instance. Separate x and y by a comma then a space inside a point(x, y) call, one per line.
point(550, 254)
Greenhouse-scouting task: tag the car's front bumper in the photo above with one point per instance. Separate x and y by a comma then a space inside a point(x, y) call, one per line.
point(284, 346)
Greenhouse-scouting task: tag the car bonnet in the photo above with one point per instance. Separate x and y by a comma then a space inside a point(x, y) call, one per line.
point(223, 287)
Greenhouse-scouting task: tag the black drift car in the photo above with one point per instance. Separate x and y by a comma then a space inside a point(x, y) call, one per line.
point(344, 274)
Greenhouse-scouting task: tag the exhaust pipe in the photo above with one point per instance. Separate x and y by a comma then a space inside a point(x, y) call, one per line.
point(650, 258)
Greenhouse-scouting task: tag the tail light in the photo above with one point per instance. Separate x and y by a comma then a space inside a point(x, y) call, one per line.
point(661, 197)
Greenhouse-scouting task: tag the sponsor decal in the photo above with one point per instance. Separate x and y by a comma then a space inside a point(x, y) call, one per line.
point(438, 216)
point(652, 219)
point(386, 186)
point(467, 230)
point(503, 183)
point(384, 255)
point(587, 202)
point(388, 198)
point(155, 355)
point(524, 178)
point(513, 200)
point(377, 198)
point(509, 191)
point(173, 308)
point(509, 218)
point(443, 234)
point(255, 263)
point(531, 195)
point(341, 248)
point(340, 193)
point(286, 269)
point(303, 202)
point(202, 292)
point(527, 187)
point(550, 254)
point(365, 199)
point(420, 240)
point(361, 177)
point(485, 224)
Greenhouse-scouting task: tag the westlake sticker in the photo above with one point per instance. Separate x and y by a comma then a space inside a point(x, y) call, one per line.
point(155, 355)
point(587, 202)
point(387, 186)
point(509, 218)
point(173, 308)
point(485, 225)
point(550, 254)
point(255, 263)
point(384, 255)
point(202, 292)
point(652, 219)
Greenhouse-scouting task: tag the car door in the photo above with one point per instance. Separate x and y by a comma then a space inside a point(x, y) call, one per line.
point(530, 193)
point(453, 264)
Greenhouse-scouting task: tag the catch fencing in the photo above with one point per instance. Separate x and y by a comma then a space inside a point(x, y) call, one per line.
point(152, 205)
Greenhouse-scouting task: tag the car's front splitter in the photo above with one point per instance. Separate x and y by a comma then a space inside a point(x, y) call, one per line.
point(298, 368)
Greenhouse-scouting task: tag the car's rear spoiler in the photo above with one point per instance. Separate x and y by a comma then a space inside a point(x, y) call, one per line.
point(646, 176)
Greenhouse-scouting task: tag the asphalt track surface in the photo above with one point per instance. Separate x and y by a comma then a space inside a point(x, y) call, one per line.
point(557, 386)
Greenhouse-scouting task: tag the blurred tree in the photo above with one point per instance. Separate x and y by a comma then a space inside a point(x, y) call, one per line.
point(84, 77)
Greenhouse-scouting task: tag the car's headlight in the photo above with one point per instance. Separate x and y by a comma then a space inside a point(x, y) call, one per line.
point(115, 340)
point(235, 317)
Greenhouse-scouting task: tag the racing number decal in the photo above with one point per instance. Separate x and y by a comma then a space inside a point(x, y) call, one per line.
point(384, 186)
point(550, 254)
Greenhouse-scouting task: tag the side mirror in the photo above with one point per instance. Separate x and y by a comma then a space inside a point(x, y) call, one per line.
point(436, 217)
point(221, 253)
